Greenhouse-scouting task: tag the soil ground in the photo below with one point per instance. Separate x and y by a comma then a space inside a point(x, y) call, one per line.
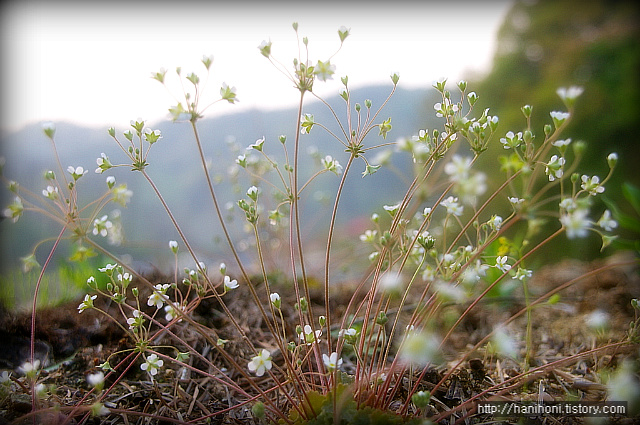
point(71, 345)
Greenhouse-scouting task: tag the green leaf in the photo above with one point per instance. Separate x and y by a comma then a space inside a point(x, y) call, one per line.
point(632, 194)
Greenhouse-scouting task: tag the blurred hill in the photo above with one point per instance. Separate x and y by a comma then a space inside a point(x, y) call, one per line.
point(177, 171)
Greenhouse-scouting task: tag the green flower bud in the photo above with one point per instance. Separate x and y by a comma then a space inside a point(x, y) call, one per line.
point(612, 160)
point(421, 399)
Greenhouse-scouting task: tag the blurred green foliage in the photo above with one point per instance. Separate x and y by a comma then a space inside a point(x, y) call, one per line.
point(545, 45)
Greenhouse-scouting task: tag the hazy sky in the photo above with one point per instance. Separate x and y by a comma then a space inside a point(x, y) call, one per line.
point(91, 63)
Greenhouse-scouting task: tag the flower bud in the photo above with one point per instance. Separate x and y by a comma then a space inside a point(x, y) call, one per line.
point(612, 160)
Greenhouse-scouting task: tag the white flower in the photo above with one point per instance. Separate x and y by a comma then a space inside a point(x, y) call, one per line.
point(173, 246)
point(559, 117)
point(152, 365)
point(568, 204)
point(158, 297)
point(101, 226)
point(391, 282)
point(569, 95)
point(51, 192)
point(230, 284)
point(260, 363)
point(606, 222)
point(458, 168)
point(122, 195)
point(274, 297)
point(511, 140)
point(452, 206)
point(554, 167)
point(369, 236)
point(309, 336)
point(331, 362)
point(77, 172)
point(87, 303)
point(391, 209)
point(332, 165)
point(598, 321)
point(324, 70)
point(170, 310)
point(95, 379)
point(29, 368)
point(496, 222)
point(252, 193)
point(347, 332)
point(108, 269)
point(592, 185)
point(103, 163)
point(504, 344)
point(501, 263)
point(562, 143)
point(523, 274)
point(576, 223)
point(228, 93)
point(420, 348)
point(515, 201)
point(135, 321)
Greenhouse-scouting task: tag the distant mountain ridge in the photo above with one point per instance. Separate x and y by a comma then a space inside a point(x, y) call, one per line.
point(176, 169)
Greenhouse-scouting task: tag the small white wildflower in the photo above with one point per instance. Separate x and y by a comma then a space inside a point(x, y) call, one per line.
point(420, 348)
point(598, 321)
point(274, 297)
point(101, 226)
point(308, 335)
point(495, 223)
point(29, 368)
point(523, 274)
point(606, 222)
point(515, 201)
point(136, 321)
point(568, 204)
point(260, 363)
point(87, 302)
point(452, 206)
point(51, 192)
point(501, 263)
point(559, 117)
point(369, 236)
point(554, 167)
point(511, 140)
point(391, 282)
point(158, 297)
point(152, 365)
point(391, 209)
point(458, 168)
point(504, 344)
point(592, 185)
point(252, 193)
point(230, 284)
point(349, 335)
point(331, 362)
point(96, 380)
point(576, 223)
point(449, 293)
point(108, 269)
point(173, 246)
point(77, 172)
point(170, 311)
